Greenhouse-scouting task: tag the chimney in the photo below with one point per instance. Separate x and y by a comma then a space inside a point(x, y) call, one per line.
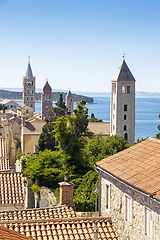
point(66, 192)
point(23, 121)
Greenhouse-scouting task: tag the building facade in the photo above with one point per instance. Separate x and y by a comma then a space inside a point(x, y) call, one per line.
point(29, 88)
point(122, 112)
point(10, 104)
point(129, 190)
point(46, 100)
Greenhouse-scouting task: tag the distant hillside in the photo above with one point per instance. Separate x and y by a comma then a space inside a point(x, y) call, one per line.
point(4, 94)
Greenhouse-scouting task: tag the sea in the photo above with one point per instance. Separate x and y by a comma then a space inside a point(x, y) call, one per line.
point(147, 111)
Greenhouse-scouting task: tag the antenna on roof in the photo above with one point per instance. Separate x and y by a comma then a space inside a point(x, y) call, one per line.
point(29, 59)
point(46, 79)
point(123, 56)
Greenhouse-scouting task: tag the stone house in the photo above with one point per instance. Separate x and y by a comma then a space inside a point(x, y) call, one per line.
point(25, 111)
point(10, 104)
point(130, 190)
point(30, 132)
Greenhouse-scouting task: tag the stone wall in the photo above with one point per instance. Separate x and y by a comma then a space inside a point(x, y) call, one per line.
point(117, 209)
point(48, 195)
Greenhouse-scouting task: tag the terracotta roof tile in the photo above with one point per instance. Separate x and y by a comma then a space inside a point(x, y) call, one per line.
point(11, 188)
point(61, 211)
point(6, 234)
point(138, 165)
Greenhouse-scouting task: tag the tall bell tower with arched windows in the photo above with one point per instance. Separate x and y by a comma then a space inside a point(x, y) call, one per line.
point(29, 88)
point(122, 112)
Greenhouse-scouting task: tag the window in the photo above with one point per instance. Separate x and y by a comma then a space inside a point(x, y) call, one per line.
point(128, 89)
point(126, 136)
point(125, 127)
point(26, 111)
point(113, 116)
point(113, 87)
point(125, 117)
point(113, 127)
point(35, 147)
point(107, 195)
point(148, 222)
point(113, 106)
point(128, 209)
point(123, 89)
point(125, 107)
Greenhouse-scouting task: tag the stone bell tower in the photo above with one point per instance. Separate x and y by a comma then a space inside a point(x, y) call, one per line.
point(29, 88)
point(69, 101)
point(122, 112)
point(46, 100)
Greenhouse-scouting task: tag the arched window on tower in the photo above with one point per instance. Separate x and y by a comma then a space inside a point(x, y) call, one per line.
point(125, 127)
point(126, 136)
point(123, 89)
point(125, 117)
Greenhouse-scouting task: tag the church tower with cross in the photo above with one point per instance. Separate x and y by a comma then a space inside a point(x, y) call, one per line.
point(122, 112)
point(29, 88)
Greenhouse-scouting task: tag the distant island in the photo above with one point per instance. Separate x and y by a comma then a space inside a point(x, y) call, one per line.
point(5, 94)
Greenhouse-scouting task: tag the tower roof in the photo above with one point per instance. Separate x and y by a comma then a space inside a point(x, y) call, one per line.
point(29, 72)
point(123, 73)
point(69, 95)
point(47, 88)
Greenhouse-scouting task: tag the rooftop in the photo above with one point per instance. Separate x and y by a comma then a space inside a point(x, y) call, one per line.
point(123, 73)
point(65, 229)
point(55, 212)
point(11, 188)
point(138, 166)
point(7, 234)
point(29, 72)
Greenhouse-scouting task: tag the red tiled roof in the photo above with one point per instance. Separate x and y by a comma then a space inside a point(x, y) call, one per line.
point(6, 234)
point(138, 165)
point(66, 229)
point(11, 188)
point(61, 211)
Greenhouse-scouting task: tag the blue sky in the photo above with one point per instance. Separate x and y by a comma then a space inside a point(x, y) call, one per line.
point(78, 44)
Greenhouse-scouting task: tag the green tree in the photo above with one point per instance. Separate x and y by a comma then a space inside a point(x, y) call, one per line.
point(71, 136)
point(94, 119)
point(61, 103)
point(44, 169)
point(97, 148)
point(84, 191)
point(18, 144)
point(3, 107)
point(47, 138)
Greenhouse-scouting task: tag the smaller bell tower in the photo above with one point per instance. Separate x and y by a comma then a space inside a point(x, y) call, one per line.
point(69, 101)
point(46, 100)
